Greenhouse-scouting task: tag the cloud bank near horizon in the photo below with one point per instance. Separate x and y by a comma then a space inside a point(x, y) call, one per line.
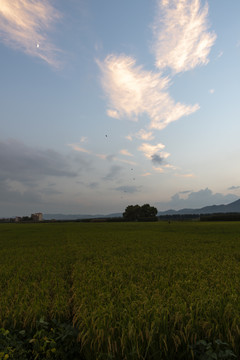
point(25, 26)
point(196, 199)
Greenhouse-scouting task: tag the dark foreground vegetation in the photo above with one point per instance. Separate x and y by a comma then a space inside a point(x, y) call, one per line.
point(120, 291)
point(53, 340)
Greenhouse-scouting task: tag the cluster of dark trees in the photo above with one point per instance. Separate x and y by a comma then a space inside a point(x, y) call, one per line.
point(140, 213)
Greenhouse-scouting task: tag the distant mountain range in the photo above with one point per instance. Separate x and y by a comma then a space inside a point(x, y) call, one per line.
point(233, 207)
point(79, 216)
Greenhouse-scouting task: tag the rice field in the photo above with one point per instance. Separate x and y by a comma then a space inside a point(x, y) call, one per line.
point(132, 290)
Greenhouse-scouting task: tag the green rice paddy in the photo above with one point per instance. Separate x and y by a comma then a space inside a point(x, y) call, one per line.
point(132, 290)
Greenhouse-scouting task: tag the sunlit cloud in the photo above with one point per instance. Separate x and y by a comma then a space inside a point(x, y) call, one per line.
point(164, 166)
point(144, 135)
point(113, 114)
point(146, 174)
point(78, 148)
point(158, 169)
point(129, 137)
point(125, 152)
point(25, 26)
point(132, 91)
point(151, 150)
point(169, 166)
point(185, 175)
point(182, 40)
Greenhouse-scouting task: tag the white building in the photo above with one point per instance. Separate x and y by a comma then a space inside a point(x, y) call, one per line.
point(37, 217)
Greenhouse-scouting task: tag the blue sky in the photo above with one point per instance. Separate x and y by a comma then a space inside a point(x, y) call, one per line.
point(111, 103)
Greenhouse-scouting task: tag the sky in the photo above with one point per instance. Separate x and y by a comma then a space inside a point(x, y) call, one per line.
point(105, 104)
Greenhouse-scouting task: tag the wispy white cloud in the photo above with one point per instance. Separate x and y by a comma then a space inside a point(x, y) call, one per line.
point(125, 152)
point(25, 26)
point(133, 91)
point(182, 40)
point(211, 91)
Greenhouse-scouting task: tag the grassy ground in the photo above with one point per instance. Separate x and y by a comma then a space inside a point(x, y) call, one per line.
point(133, 290)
